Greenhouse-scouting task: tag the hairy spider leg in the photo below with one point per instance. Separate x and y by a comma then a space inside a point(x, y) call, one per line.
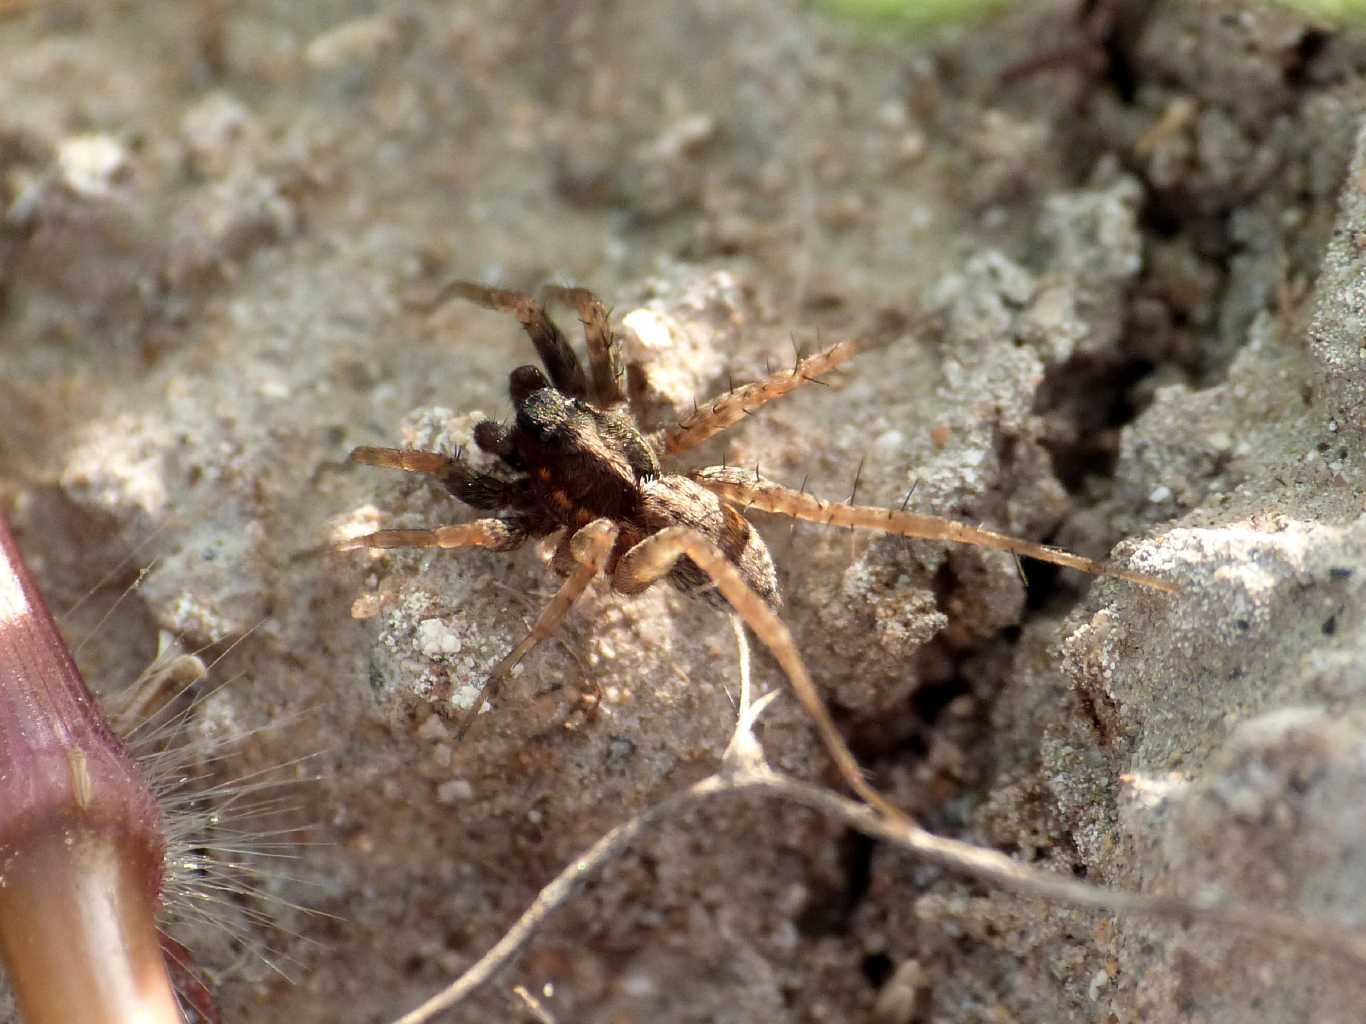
point(478, 490)
point(590, 547)
point(749, 490)
point(728, 409)
point(604, 348)
point(654, 558)
point(491, 534)
point(411, 461)
point(566, 372)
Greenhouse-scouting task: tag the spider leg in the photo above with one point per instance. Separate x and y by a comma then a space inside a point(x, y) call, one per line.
point(604, 348)
point(727, 409)
point(750, 490)
point(635, 394)
point(493, 534)
point(590, 547)
point(566, 373)
point(655, 556)
point(478, 490)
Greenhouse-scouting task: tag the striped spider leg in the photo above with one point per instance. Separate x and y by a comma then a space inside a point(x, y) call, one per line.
point(748, 489)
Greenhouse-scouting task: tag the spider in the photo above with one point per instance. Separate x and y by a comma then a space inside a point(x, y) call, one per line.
point(575, 462)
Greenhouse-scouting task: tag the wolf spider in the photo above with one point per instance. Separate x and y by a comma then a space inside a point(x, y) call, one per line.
point(576, 462)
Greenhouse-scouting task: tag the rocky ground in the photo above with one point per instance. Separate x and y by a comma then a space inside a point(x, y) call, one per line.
point(1118, 261)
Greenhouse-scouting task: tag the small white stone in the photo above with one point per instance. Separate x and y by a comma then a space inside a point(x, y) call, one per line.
point(1098, 982)
point(638, 984)
point(652, 330)
point(684, 136)
point(453, 791)
point(274, 388)
point(911, 147)
point(436, 639)
point(889, 441)
point(433, 729)
point(892, 114)
point(217, 131)
point(93, 165)
point(360, 41)
point(1159, 494)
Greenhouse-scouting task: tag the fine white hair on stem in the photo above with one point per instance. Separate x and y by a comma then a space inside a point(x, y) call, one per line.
point(225, 853)
point(227, 850)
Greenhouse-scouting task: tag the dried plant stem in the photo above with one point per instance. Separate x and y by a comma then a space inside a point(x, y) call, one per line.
point(1000, 871)
point(989, 866)
point(559, 892)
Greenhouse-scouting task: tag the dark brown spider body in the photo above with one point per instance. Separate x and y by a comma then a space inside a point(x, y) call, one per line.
point(574, 462)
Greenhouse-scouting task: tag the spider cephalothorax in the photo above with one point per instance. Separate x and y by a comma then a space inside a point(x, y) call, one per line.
point(574, 460)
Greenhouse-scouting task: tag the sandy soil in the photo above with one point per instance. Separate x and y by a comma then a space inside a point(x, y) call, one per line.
point(1120, 276)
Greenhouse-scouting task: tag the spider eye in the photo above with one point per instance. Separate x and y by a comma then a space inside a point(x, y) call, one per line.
point(546, 435)
point(547, 431)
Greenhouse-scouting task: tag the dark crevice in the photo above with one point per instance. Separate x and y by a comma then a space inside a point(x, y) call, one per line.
point(877, 968)
point(1042, 583)
point(1161, 218)
point(929, 700)
point(944, 584)
point(830, 911)
point(1120, 73)
point(1311, 45)
point(1096, 398)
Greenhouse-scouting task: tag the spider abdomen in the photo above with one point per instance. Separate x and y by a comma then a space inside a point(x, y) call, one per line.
point(678, 501)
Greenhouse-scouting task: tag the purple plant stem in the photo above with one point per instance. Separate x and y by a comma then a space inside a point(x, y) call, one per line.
point(82, 847)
